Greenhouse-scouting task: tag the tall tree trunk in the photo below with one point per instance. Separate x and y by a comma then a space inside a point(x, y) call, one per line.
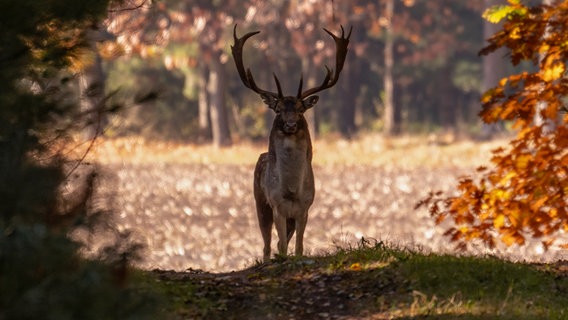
point(266, 78)
point(388, 116)
point(218, 104)
point(203, 103)
point(348, 90)
point(493, 67)
point(310, 82)
point(546, 124)
point(92, 88)
point(447, 106)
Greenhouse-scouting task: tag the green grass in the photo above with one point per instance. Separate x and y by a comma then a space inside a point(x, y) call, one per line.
point(369, 281)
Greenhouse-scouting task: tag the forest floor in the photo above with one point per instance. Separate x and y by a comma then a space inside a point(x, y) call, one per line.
point(370, 281)
point(192, 208)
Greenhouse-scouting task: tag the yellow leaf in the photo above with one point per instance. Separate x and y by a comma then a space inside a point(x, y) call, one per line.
point(553, 213)
point(516, 33)
point(539, 203)
point(510, 238)
point(355, 266)
point(499, 221)
point(522, 161)
point(463, 229)
point(554, 72)
point(497, 13)
point(500, 194)
point(507, 178)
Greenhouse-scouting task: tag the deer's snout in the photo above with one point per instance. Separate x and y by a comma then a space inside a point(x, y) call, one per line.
point(290, 126)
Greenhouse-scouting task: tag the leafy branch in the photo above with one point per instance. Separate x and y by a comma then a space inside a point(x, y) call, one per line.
point(525, 193)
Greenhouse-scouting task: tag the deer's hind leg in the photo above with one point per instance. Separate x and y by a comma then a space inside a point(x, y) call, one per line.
point(300, 228)
point(263, 209)
point(290, 228)
point(265, 221)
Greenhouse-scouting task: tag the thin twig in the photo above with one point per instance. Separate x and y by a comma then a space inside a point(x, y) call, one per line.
point(129, 8)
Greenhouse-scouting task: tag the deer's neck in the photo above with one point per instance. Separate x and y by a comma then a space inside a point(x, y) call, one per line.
point(291, 157)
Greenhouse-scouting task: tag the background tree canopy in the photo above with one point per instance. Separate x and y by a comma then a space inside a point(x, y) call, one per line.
point(435, 71)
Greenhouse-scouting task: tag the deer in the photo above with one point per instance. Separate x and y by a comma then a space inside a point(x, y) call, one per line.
point(283, 185)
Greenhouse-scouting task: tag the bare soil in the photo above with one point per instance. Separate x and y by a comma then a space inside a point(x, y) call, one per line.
point(202, 216)
point(194, 209)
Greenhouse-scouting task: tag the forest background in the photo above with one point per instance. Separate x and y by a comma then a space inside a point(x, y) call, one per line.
point(413, 66)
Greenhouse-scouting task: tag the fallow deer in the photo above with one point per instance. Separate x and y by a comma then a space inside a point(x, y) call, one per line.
point(283, 177)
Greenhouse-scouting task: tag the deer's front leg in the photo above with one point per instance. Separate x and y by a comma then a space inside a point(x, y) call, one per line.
point(280, 223)
point(300, 227)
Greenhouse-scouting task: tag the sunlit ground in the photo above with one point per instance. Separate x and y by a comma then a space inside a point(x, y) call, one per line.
point(402, 152)
point(193, 206)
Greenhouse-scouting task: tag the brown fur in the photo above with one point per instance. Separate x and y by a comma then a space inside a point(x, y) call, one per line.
point(283, 177)
point(284, 185)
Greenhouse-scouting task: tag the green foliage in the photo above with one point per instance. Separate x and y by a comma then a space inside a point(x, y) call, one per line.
point(497, 13)
point(435, 58)
point(170, 116)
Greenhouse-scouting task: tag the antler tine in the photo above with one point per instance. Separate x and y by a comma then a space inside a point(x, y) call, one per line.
point(299, 95)
point(341, 44)
point(280, 95)
point(246, 76)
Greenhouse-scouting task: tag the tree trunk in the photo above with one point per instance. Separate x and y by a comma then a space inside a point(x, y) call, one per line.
point(348, 90)
point(493, 67)
point(446, 106)
point(388, 116)
point(203, 103)
point(310, 82)
point(547, 125)
point(218, 104)
point(92, 88)
point(266, 78)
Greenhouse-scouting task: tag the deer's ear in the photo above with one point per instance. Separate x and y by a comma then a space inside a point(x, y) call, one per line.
point(269, 100)
point(310, 101)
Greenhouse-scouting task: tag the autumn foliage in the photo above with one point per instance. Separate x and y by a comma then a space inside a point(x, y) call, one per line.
point(525, 192)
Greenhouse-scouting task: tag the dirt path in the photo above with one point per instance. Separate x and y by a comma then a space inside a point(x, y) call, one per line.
point(283, 290)
point(333, 288)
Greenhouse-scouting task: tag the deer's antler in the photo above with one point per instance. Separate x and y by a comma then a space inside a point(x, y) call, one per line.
point(341, 44)
point(329, 81)
point(246, 77)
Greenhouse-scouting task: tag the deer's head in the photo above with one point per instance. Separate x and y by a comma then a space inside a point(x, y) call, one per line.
point(290, 109)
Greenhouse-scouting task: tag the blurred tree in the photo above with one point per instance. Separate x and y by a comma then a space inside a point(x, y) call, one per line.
point(433, 44)
point(525, 193)
point(388, 115)
point(92, 83)
point(169, 116)
point(176, 25)
point(42, 275)
point(494, 67)
point(435, 72)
